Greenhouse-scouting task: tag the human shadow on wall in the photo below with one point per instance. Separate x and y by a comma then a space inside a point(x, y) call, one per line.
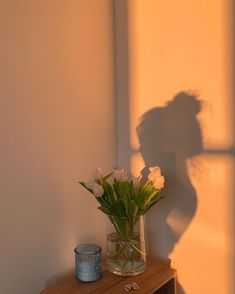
point(169, 137)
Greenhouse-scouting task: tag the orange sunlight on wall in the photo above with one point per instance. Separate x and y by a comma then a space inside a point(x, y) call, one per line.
point(186, 46)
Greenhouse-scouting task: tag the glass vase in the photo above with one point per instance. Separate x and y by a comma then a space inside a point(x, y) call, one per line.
point(126, 247)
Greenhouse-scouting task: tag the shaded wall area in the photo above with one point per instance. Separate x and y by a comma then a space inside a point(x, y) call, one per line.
point(56, 60)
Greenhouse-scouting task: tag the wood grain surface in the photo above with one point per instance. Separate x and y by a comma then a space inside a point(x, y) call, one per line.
point(155, 276)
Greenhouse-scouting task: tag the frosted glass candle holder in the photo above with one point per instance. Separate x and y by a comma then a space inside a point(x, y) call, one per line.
point(88, 262)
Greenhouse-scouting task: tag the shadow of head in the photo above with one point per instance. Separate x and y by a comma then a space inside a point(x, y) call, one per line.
point(172, 131)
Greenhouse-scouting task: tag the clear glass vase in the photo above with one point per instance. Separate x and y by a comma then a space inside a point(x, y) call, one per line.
point(126, 248)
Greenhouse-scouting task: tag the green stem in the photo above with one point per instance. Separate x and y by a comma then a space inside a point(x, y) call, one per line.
point(138, 250)
point(116, 254)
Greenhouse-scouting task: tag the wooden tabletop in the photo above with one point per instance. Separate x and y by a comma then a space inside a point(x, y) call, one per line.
point(155, 276)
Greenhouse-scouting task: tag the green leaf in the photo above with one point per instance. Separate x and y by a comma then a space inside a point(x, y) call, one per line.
point(106, 177)
point(141, 199)
point(122, 226)
point(104, 210)
point(84, 185)
point(108, 190)
point(118, 209)
point(119, 218)
point(125, 189)
point(154, 201)
point(151, 196)
point(132, 208)
point(121, 188)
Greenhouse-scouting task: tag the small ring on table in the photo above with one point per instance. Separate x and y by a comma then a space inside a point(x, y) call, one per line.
point(135, 286)
point(128, 287)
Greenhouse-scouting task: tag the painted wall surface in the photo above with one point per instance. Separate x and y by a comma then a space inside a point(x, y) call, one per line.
point(57, 123)
point(181, 118)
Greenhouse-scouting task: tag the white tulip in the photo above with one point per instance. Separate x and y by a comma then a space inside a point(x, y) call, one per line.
point(98, 191)
point(156, 178)
point(97, 173)
point(154, 173)
point(90, 184)
point(158, 183)
point(120, 175)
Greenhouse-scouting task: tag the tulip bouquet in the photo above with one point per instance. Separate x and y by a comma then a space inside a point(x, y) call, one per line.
point(124, 200)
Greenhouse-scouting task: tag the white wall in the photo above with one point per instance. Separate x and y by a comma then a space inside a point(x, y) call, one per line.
point(176, 46)
point(57, 123)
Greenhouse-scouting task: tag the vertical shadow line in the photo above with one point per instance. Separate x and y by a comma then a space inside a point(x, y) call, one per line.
point(232, 82)
point(121, 68)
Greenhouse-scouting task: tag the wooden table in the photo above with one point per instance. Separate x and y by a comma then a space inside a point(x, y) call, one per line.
point(158, 278)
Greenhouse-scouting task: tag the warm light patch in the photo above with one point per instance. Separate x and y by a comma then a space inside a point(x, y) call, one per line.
point(206, 245)
point(137, 164)
point(179, 47)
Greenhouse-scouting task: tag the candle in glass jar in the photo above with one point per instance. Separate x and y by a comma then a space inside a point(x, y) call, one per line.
point(88, 262)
